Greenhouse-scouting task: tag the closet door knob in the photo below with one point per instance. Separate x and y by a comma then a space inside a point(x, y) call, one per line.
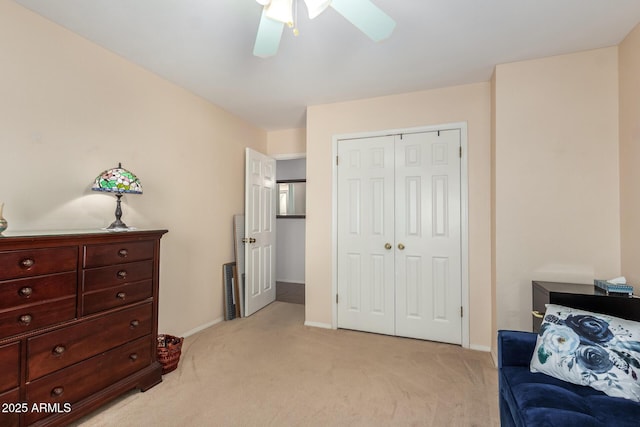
point(387, 246)
point(400, 246)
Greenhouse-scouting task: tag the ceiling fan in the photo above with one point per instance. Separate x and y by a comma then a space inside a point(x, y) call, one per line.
point(366, 16)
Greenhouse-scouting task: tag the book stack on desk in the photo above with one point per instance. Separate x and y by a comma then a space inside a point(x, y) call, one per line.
point(613, 287)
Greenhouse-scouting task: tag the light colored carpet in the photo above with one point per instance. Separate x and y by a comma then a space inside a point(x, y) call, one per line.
point(271, 370)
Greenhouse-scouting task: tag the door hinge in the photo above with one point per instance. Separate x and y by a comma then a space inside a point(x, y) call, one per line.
point(461, 311)
point(460, 152)
point(336, 298)
point(336, 160)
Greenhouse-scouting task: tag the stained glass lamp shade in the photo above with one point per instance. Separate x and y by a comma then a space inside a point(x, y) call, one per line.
point(118, 181)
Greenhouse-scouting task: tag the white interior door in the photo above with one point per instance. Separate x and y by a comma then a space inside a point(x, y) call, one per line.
point(365, 230)
point(260, 236)
point(427, 233)
point(399, 235)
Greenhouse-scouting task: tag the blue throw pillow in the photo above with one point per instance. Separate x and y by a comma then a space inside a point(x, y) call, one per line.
point(590, 349)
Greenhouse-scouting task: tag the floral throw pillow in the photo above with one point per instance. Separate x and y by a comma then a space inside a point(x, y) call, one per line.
point(590, 349)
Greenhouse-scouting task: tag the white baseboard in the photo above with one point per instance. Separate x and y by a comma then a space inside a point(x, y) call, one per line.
point(480, 348)
point(295, 281)
point(202, 327)
point(318, 325)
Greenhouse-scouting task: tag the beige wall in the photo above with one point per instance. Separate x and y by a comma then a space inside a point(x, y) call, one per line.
point(287, 142)
point(629, 73)
point(70, 109)
point(470, 103)
point(556, 176)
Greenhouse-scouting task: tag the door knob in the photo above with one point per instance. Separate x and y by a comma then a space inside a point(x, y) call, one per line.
point(400, 246)
point(387, 246)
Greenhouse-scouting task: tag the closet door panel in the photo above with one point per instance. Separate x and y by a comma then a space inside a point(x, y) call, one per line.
point(365, 227)
point(427, 232)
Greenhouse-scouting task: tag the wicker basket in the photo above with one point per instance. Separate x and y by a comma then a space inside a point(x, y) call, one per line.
point(169, 350)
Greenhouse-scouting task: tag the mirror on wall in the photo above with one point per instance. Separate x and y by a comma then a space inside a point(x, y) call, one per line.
point(291, 198)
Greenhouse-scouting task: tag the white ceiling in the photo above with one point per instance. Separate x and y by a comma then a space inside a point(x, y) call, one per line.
point(206, 46)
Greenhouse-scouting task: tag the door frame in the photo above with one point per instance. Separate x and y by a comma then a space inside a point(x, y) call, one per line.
point(464, 213)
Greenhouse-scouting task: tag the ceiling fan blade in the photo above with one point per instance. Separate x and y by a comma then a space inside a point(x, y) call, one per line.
point(367, 17)
point(268, 37)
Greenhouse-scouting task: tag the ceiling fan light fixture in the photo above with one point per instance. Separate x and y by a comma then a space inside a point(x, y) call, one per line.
point(263, 2)
point(316, 7)
point(280, 10)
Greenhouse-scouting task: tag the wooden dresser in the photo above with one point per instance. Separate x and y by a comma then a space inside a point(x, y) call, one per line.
point(78, 322)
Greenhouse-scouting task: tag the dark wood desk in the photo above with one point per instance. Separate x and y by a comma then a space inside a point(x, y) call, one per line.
point(581, 296)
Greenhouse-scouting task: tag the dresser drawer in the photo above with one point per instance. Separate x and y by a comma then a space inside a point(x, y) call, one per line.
point(10, 400)
point(117, 253)
point(34, 262)
point(9, 366)
point(37, 289)
point(27, 318)
point(107, 277)
point(55, 350)
point(118, 296)
point(78, 381)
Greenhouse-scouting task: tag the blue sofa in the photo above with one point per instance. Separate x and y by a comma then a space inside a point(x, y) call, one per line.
point(536, 399)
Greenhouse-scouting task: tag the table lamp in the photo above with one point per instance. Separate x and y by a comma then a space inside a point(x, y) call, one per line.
point(118, 181)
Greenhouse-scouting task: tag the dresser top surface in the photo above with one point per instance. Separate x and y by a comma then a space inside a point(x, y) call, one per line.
point(77, 232)
point(574, 288)
point(18, 239)
point(569, 288)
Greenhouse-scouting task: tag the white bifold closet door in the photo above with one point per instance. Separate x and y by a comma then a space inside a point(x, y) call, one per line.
point(399, 242)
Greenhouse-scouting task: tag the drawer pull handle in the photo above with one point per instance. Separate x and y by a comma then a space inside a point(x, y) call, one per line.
point(133, 357)
point(537, 314)
point(57, 391)
point(135, 323)
point(121, 295)
point(25, 319)
point(59, 349)
point(122, 274)
point(27, 263)
point(26, 291)
point(123, 253)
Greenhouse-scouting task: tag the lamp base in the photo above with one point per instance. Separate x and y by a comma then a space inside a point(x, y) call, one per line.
point(118, 225)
